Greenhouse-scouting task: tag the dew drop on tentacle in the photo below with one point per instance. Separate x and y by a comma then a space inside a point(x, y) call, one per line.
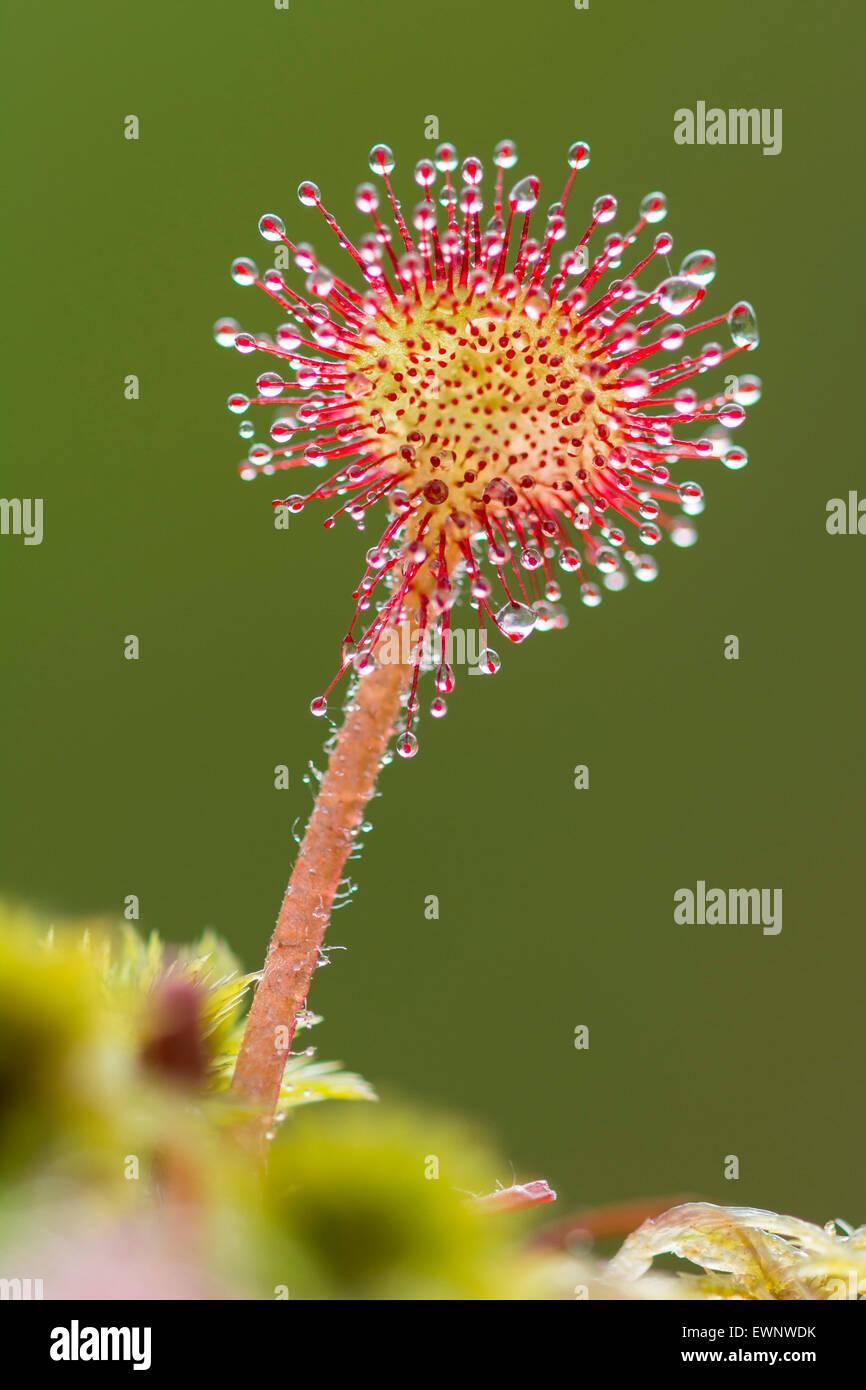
point(735, 458)
point(225, 331)
point(747, 389)
point(683, 533)
point(244, 271)
point(645, 568)
point(691, 494)
point(283, 429)
point(732, 416)
point(407, 744)
point(743, 324)
point(524, 195)
point(606, 560)
point(516, 620)
point(616, 581)
point(444, 680)
point(270, 384)
point(604, 208)
point(691, 499)
point(381, 159)
point(271, 227)
point(650, 534)
point(699, 266)
point(578, 155)
point(679, 295)
point(673, 337)
point(654, 207)
point(446, 157)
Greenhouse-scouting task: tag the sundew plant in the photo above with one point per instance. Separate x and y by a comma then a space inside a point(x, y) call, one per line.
point(517, 418)
point(521, 410)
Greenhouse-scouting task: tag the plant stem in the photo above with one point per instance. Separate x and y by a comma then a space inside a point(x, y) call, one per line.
point(293, 954)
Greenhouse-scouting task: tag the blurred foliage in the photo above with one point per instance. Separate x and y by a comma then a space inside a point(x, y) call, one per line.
point(379, 1205)
point(121, 1175)
point(116, 1143)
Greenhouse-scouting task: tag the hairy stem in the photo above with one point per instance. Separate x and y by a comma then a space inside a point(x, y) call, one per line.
point(293, 954)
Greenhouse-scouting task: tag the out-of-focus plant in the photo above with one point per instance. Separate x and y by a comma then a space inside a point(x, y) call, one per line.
point(121, 1171)
point(121, 1174)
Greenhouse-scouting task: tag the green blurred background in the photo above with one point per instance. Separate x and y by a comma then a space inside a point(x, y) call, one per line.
point(156, 777)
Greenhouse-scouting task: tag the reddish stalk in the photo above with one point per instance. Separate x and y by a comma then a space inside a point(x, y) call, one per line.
point(293, 954)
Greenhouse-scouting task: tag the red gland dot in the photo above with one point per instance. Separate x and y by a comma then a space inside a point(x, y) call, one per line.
point(436, 492)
